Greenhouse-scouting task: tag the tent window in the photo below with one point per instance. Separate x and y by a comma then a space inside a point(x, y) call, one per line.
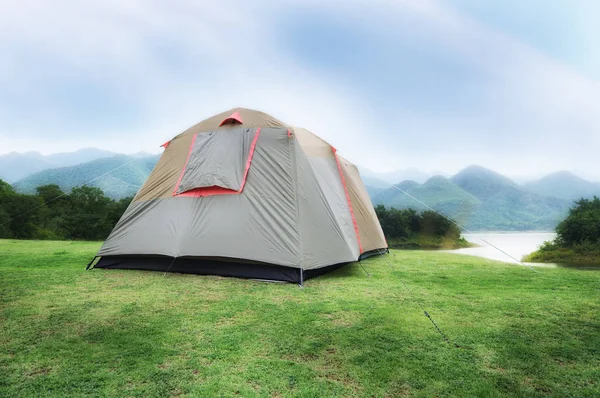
point(218, 162)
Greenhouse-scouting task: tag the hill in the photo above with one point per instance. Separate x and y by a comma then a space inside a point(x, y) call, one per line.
point(481, 182)
point(564, 185)
point(374, 185)
point(15, 166)
point(505, 206)
point(437, 192)
point(118, 184)
point(479, 199)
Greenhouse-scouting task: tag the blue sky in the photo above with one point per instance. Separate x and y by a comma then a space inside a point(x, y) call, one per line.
point(432, 84)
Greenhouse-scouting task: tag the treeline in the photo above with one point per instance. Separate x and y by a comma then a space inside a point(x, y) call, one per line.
point(410, 229)
point(85, 213)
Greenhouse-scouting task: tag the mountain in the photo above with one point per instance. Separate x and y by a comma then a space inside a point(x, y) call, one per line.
point(438, 192)
point(15, 166)
point(505, 205)
point(564, 185)
point(482, 182)
point(374, 185)
point(479, 199)
point(120, 183)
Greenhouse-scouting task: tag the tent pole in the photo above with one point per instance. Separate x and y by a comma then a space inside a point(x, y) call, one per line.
point(170, 265)
point(301, 277)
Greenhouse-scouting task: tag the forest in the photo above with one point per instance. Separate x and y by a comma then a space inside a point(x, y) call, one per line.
point(86, 213)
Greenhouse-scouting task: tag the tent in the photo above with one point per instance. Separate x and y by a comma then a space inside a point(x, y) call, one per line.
point(243, 194)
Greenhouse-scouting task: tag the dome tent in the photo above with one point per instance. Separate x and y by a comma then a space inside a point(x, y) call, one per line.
point(243, 194)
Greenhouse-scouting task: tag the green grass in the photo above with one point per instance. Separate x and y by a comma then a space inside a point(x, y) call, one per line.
point(68, 332)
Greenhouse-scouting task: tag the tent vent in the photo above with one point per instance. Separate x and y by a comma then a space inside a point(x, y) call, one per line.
point(234, 118)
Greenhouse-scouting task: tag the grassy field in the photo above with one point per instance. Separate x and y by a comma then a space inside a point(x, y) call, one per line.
point(68, 332)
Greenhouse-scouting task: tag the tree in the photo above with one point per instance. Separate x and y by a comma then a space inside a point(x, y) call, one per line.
point(582, 225)
point(57, 209)
point(25, 213)
point(404, 223)
point(6, 188)
point(85, 213)
point(87, 219)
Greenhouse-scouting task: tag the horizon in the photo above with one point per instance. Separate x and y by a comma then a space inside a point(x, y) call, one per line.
point(519, 179)
point(431, 85)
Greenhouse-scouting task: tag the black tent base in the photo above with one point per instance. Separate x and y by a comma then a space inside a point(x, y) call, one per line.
point(202, 266)
point(375, 252)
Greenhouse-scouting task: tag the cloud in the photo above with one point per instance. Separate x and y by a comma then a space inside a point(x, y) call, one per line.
point(170, 65)
point(128, 75)
point(519, 110)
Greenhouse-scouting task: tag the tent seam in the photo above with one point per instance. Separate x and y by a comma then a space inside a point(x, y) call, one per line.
point(348, 200)
point(292, 147)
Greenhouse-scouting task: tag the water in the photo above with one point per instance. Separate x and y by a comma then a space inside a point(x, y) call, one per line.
point(516, 245)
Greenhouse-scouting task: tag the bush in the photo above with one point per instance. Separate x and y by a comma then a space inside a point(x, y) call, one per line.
point(578, 237)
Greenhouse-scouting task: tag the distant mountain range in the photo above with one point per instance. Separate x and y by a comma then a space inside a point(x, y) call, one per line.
point(386, 179)
point(15, 166)
point(125, 181)
point(481, 199)
point(478, 198)
point(565, 185)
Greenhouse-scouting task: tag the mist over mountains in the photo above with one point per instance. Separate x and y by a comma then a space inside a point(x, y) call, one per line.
point(565, 185)
point(481, 199)
point(131, 172)
point(478, 198)
point(15, 165)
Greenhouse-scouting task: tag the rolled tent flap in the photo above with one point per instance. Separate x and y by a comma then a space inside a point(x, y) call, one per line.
point(219, 159)
point(258, 200)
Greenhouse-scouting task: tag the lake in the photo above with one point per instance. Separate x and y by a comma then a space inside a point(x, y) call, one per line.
point(515, 245)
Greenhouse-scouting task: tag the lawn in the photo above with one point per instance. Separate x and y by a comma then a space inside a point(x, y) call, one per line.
point(68, 332)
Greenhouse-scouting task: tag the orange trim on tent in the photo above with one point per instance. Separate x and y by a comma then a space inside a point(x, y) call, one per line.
point(208, 191)
point(166, 144)
point(185, 165)
point(337, 161)
point(249, 161)
point(214, 190)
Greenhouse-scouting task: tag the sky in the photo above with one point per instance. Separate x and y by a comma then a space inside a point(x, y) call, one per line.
point(435, 85)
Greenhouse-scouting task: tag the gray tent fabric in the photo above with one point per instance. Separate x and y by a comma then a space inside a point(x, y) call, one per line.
point(218, 159)
point(325, 222)
point(251, 201)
